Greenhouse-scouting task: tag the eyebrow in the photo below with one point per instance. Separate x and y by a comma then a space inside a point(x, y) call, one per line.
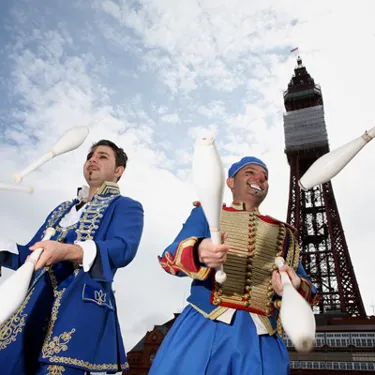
point(99, 152)
point(251, 167)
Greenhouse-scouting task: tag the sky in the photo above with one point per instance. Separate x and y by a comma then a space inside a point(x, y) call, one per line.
point(153, 75)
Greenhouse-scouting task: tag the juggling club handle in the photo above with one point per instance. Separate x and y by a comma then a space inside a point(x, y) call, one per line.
point(279, 261)
point(33, 258)
point(220, 275)
point(18, 177)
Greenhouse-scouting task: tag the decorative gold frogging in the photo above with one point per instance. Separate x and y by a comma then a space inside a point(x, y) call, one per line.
point(254, 244)
point(55, 345)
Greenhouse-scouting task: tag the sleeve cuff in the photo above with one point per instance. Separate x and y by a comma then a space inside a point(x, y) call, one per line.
point(89, 253)
point(306, 291)
point(184, 261)
point(9, 246)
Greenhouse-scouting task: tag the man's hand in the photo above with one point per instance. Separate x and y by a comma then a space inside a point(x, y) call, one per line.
point(276, 279)
point(212, 255)
point(54, 252)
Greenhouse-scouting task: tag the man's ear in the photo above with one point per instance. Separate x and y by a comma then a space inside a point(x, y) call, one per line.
point(119, 171)
point(230, 182)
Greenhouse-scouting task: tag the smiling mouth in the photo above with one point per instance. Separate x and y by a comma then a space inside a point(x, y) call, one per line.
point(255, 187)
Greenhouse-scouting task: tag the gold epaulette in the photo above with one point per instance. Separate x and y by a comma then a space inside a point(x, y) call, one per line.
point(292, 228)
point(289, 226)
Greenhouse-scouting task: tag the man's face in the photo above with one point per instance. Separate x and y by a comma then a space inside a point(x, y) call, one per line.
point(250, 182)
point(100, 166)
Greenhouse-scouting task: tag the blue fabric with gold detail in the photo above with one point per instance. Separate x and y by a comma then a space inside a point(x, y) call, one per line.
point(69, 317)
point(194, 229)
point(198, 343)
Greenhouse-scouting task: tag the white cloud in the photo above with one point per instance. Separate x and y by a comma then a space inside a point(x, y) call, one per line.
point(171, 118)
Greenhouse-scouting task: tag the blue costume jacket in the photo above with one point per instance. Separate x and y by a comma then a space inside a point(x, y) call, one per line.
point(180, 259)
point(69, 316)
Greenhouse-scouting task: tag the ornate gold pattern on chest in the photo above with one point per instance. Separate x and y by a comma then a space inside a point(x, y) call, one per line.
point(92, 217)
point(58, 214)
point(254, 244)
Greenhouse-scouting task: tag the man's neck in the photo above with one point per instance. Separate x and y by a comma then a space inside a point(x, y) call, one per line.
point(92, 192)
point(248, 205)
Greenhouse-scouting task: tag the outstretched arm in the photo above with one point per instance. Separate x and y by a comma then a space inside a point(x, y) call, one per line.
point(180, 258)
point(13, 255)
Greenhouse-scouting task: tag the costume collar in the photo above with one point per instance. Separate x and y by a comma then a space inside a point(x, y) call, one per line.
point(107, 188)
point(240, 206)
point(82, 193)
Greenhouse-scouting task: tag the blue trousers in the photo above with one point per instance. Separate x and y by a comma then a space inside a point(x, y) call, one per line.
point(197, 345)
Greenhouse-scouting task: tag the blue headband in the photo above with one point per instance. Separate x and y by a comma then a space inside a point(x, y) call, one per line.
point(243, 162)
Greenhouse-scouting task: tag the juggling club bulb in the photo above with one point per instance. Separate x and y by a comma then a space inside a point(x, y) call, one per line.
point(17, 178)
point(220, 276)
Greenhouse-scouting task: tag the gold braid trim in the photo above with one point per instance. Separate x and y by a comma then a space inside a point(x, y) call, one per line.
point(293, 251)
point(108, 188)
point(13, 326)
point(292, 260)
point(267, 324)
point(88, 365)
point(213, 315)
point(55, 370)
point(58, 213)
point(175, 264)
point(254, 244)
point(92, 217)
point(57, 343)
point(305, 291)
point(279, 327)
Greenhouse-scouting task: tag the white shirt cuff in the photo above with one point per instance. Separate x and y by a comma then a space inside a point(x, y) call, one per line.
point(89, 253)
point(8, 245)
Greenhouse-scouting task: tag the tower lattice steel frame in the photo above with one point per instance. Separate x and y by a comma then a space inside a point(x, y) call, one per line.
point(324, 251)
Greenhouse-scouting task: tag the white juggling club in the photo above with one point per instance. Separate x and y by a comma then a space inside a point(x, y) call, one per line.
point(330, 164)
point(9, 187)
point(209, 180)
point(296, 314)
point(69, 141)
point(14, 289)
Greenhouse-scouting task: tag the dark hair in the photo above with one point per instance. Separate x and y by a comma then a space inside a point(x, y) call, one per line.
point(120, 155)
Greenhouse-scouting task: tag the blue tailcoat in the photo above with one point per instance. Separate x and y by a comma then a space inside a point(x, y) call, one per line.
point(69, 316)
